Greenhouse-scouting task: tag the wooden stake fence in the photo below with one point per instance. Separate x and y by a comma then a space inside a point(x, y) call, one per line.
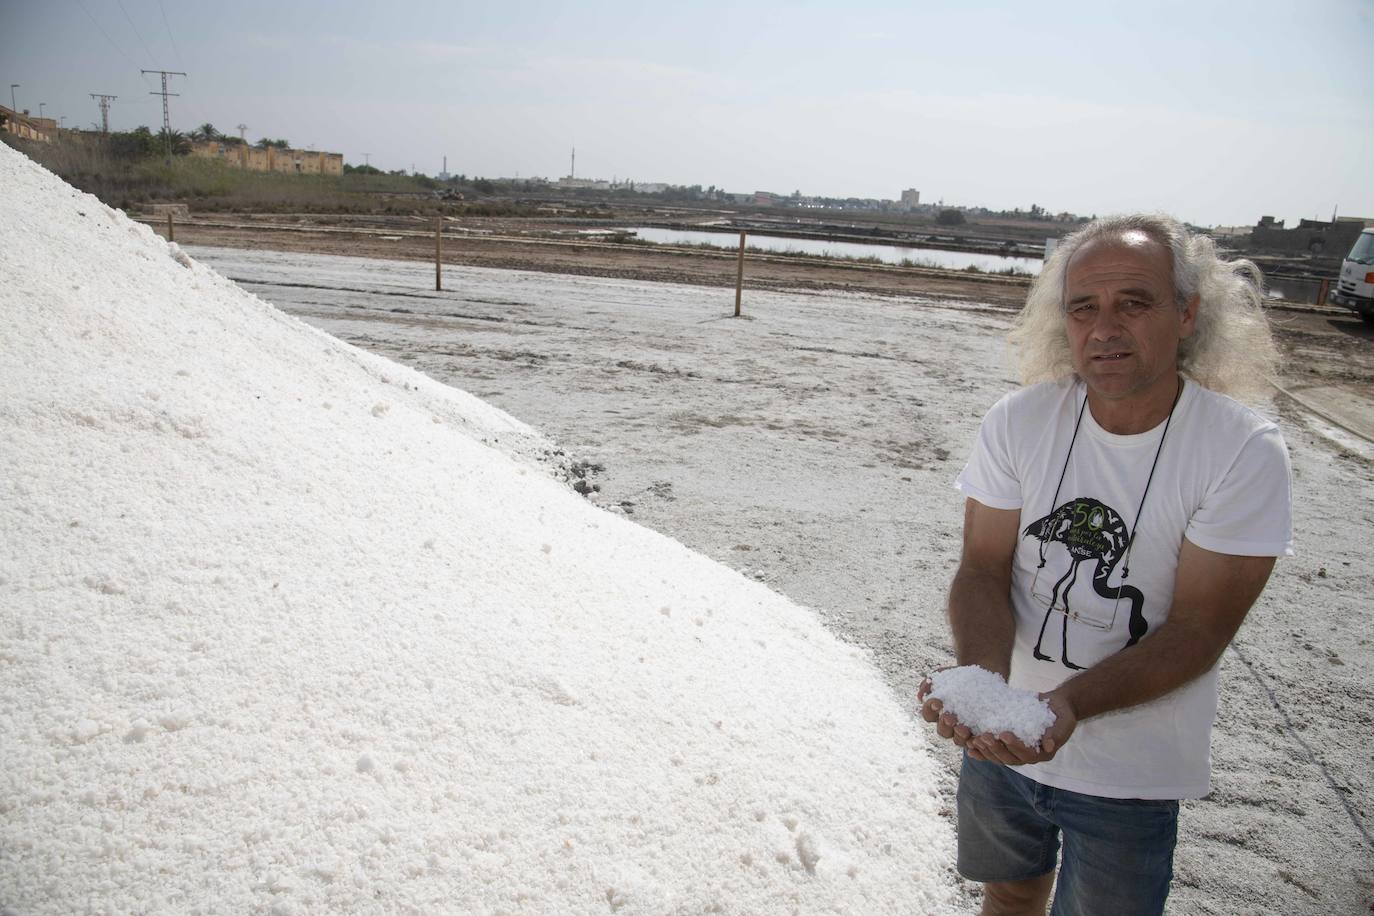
point(438, 253)
point(739, 275)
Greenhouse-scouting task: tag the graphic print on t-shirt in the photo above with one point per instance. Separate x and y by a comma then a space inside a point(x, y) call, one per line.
point(1090, 530)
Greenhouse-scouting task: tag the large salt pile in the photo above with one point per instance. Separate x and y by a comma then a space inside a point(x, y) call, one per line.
point(287, 627)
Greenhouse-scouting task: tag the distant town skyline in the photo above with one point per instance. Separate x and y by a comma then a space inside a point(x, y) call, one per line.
point(1215, 113)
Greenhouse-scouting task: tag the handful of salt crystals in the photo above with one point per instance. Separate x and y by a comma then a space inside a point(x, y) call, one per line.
point(983, 701)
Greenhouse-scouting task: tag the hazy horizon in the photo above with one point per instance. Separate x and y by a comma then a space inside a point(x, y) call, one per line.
point(1216, 117)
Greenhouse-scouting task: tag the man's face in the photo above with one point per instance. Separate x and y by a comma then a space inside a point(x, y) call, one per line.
point(1123, 320)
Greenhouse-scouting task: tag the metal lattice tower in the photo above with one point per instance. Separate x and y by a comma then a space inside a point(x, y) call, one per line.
point(104, 101)
point(166, 114)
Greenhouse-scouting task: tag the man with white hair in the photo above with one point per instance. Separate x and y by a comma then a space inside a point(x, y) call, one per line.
point(1122, 514)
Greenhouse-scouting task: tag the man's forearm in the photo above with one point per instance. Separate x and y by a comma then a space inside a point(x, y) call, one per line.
point(981, 620)
point(1160, 663)
point(1214, 593)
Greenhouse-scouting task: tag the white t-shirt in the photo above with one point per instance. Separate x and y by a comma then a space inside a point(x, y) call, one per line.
point(1221, 481)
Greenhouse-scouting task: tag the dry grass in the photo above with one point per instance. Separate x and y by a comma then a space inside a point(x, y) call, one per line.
point(208, 185)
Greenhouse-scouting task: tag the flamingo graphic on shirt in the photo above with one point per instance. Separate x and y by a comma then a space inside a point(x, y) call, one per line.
point(1090, 530)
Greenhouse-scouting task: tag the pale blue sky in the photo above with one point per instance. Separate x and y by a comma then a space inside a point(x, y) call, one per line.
point(1217, 112)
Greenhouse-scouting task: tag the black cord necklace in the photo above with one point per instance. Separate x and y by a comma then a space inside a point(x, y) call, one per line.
point(1140, 509)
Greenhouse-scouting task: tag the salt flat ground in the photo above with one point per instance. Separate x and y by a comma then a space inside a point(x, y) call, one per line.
point(813, 442)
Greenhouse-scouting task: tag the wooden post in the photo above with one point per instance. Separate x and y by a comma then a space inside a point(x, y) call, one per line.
point(739, 274)
point(438, 253)
point(171, 232)
point(1322, 292)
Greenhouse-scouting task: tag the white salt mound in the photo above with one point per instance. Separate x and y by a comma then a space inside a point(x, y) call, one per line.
point(288, 628)
point(983, 701)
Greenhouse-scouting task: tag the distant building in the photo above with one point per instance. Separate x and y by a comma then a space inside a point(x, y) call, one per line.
point(270, 159)
point(24, 125)
point(570, 182)
point(911, 199)
point(1311, 235)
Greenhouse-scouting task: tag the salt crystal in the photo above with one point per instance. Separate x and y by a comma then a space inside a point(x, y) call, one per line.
point(983, 701)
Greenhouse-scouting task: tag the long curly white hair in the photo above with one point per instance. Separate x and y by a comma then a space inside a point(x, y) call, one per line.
point(1231, 349)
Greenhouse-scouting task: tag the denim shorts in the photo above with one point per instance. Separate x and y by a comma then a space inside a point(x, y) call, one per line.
point(1118, 852)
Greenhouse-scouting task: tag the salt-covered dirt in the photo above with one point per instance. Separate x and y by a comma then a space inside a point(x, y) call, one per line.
point(286, 627)
point(482, 242)
point(812, 445)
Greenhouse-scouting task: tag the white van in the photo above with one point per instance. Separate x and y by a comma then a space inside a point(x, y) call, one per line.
point(1355, 288)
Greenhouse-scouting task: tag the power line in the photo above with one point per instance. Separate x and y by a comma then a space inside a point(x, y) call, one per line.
point(118, 48)
point(102, 31)
point(137, 34)
point(166, 113)
point(190, 97)
point(168, 26)
point(104, 101)
point(196, 111)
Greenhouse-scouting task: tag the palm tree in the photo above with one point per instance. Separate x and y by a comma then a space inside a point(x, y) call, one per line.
point(205, 132)
point(175, 142)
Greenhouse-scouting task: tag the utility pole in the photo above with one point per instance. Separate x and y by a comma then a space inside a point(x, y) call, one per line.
point(104, 101)
point(365, 159)
point(40, 112)
point(572, 167)
point(13, 107)
point(166, 115)
point(241, 128)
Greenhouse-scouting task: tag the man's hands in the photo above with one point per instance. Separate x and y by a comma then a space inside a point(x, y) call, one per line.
point(980, 615)
point(946, 725)
point(1212, 594)
point(1005, 748)
point(1008, 749)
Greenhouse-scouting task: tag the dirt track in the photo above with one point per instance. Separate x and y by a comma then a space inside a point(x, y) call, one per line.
point(494, 248)
point(1329, 352)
